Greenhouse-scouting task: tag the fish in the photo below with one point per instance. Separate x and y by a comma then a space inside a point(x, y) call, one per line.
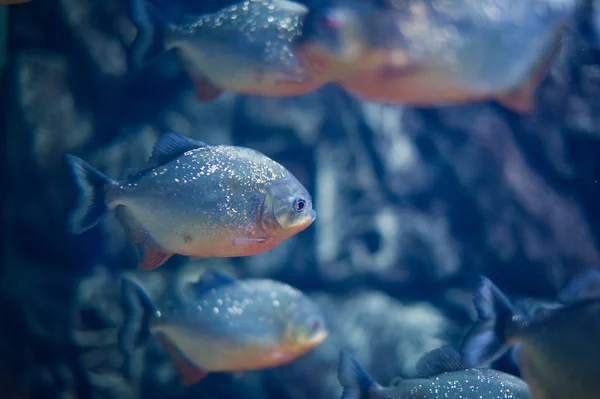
point(243, 48)
point(442, 375)
point(557, 349)
point(14, 1)
point(196, 200)
point(223, 324)
point(428, 54)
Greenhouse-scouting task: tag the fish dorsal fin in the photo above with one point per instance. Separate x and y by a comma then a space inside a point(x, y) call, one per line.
point(209, 280)
point(171, 145)
point(582, 287)
point(439, 361)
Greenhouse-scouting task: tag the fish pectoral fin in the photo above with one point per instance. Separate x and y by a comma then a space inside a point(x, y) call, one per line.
point(286, 78)
point(205, 90)
point(246, 241)
point(152, 258)
point(189, 374)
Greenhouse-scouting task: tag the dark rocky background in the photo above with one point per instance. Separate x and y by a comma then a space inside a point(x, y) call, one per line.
point(412, 205)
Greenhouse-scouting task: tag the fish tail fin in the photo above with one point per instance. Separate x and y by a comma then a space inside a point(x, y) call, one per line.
point(132, 334)
point(91, 204)
point(487, 339)
point(355, 381)
point(151, 26)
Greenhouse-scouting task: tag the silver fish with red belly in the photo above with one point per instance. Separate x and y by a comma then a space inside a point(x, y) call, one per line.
point(221, 324)
point(243, 48)
point(196, 200)
point(424, 53)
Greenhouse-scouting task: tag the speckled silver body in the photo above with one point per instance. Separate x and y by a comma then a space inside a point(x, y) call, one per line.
point(239, 326)
point(466, 384)
point(245, 48)
point(200, 202)
point(559, 353)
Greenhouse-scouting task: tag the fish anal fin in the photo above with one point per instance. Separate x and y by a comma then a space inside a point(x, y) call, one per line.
point(150, 254)
point(522, 98)
point(439, 361)
point(170, 146)
point(153, 258)
point(189, 374)
point(135, 232)
point(206, 91)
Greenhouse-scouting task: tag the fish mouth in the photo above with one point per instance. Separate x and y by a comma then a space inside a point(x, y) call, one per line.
point(310, 217)
point(317, 339)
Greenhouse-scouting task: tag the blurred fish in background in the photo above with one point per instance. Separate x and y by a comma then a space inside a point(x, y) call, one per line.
point(557, 350)
point(437, 53)
point(244, 48)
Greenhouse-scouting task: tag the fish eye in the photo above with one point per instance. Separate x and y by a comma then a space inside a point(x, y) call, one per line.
point(299, 204)
point(329, 22)
point(316, 324)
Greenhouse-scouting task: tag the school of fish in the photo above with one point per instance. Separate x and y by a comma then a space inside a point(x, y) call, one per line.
point(209, 200)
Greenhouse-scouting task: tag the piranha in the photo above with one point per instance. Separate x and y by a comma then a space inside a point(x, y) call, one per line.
point(557, 350)
point(427, 54)
point(443, 376)
point(196, 200)
point(243, 48)
point(222, 324)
